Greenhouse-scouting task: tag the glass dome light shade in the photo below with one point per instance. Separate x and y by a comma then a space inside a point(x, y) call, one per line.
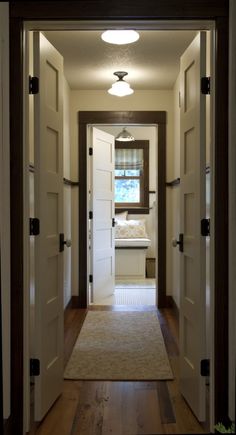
point(120, 89)
point(125, 136)
point(120, 37)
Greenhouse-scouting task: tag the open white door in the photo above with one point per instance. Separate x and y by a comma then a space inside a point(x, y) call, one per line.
point(192, 210)
point(102, 225)
point(48, 124)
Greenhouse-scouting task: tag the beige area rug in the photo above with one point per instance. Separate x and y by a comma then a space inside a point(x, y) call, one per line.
point(119, 346)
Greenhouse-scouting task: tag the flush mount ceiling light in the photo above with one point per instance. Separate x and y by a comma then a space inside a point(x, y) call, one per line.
point(120, 37)
point(121, 87)
point(125, 136)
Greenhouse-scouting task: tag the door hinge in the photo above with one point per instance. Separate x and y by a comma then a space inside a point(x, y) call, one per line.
point(90, 151)
point(205, 227)
point(34, 226)
point(33, 85)
point(91, 279)
point(205, 367)
point(34, 367)
point(205, 85)
point(90, 215)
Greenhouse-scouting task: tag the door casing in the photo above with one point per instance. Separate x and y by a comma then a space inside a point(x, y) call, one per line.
point(218, 12)
point(122, 117)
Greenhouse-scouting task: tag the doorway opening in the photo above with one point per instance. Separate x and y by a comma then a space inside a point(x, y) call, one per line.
point(134, 117)
point(132, 239)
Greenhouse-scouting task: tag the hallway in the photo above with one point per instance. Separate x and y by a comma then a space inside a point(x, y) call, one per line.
point(93, 407)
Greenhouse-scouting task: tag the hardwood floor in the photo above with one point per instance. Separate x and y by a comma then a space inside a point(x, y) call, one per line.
point(121, 408)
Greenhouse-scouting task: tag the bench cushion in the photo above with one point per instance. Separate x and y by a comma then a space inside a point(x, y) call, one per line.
point(134, 243)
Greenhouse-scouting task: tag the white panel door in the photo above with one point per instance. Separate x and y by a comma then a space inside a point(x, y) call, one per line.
point(102, 200)
point(192, 210)
point(48, 119)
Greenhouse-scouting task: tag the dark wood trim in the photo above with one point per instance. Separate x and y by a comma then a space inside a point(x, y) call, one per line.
point(133, 210)
point(144, 177)
point(221, 223)
point(73, 302)
point(152, 191)
point(16, 224)
point(173, 183)
point(170, 303)
point(216, 10)
point(70, 183)
point(1, 351)
point(132, 9)
point(121, 117)
point(7, 426)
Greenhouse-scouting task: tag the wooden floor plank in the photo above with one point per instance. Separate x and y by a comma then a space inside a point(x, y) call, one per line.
point(166, 408)
point(121, 408)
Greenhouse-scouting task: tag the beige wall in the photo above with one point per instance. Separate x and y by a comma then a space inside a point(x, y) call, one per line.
point(173, 195)
point(67, 192)
point(5, 202)
point(101, 100)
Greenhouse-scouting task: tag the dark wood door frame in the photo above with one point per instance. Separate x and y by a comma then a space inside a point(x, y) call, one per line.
point(216, 10)
point(129, 117)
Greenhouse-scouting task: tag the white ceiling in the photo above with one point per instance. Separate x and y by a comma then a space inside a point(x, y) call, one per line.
point(152, 62)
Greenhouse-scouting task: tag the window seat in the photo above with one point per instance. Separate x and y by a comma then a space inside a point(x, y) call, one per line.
point(130, 257)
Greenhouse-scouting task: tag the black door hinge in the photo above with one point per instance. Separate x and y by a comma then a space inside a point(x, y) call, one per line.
point(91, 278)
point(90, 215)
point(90, 151)
point(205, 367)
point(205, 227)
point(34, 367)
point(205, 85)
point(33, 85)
point(34, 226)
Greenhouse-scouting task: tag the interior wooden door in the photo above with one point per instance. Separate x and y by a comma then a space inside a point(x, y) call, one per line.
point(192, 210)
point(102, 224)
point(48, 135)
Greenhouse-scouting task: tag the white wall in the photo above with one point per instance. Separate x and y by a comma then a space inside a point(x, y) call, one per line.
point(101, 100)
point(5, 201)
point(232, 211)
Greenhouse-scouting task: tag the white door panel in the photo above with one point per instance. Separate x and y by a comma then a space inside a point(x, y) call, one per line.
point(48, 121)
point(102, 201)
point(192, 210)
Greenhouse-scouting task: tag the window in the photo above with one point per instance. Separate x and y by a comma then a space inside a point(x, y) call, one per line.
point(132, 176)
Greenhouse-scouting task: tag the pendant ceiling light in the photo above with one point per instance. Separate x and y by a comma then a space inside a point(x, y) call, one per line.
point(120, 37)
point(121, 87)
point(125, 136)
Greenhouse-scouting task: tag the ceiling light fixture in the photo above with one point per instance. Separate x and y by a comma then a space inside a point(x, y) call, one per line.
point(120, 37)
point(121, 87)
point(125, 136)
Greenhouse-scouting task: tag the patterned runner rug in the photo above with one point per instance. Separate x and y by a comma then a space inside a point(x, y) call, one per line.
point(119, 346)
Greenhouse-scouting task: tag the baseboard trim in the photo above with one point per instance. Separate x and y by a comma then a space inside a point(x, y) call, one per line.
point(73, 302)
point(170, 303)
point(7, 426)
